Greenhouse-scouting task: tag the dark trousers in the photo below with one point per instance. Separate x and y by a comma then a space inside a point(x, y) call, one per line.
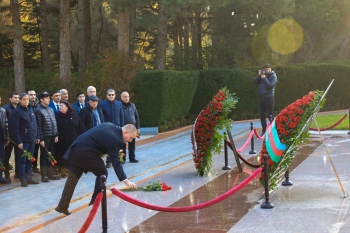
point(24, 164)
point(265, 106)
point(35, 155)
point(8, 152)
point(45, 165)
point(131, 149)
point(94, 164)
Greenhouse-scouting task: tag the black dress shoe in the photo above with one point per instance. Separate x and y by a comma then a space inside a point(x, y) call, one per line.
point(62, 210)
point(7, 179)
point(133, 161)
point(32, 182)
point(45, 179)
point(53, 177)
point(24, 183)
point(2, 181)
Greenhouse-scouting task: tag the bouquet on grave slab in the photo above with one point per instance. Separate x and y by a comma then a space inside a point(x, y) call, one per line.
point(152, 186)
point(286, 134)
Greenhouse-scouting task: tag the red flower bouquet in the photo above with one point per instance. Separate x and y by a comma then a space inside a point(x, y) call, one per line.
point(292, 125)
point(205, 136)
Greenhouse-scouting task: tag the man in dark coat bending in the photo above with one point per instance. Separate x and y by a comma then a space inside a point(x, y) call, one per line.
point(85, 155)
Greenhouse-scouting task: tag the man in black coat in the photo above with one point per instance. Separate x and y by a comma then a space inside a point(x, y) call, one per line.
point(14, 100)
point(92, 114)
point(85, 155)
point(24, 131)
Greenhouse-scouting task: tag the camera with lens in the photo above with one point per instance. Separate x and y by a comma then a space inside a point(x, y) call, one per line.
point(263, 72)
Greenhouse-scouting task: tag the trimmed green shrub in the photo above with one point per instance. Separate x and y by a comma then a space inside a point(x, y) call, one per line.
point(163, 95)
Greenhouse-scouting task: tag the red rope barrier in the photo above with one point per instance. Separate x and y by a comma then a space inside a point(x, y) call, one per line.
point(186, 208)
point(92, 214)
point(241, 157)
point(332, 126)
point(258, 136)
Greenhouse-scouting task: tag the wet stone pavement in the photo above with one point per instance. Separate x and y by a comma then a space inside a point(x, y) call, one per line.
point(312, 204)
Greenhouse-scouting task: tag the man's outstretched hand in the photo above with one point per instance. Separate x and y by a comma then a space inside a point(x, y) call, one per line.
point(130, 184)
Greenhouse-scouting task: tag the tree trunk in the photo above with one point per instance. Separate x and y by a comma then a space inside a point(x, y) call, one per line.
point(87, 30)
point(44, 37)
point(81, 39)
point(161, 44)
point(194, 51)
point(181, 34)
point(65, 56)
point(186, 44)
point(132, 31)
point(18, 58)
point(176, 45)
point(198, 24)
point(123, 31)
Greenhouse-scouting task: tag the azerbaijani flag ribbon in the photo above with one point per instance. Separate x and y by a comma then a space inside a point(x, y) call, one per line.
point(273, 144)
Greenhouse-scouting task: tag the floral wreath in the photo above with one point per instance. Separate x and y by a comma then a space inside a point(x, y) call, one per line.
point(292, 125)
point(205, 137)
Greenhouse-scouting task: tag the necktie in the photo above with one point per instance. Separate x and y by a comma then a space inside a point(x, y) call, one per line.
point(97, 117)
point(81, 105)
point(57, 107)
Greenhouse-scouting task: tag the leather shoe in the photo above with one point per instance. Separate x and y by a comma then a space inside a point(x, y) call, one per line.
point(2, 181)
point(62, 210)
point(53, 177)
point(24, 183)
point(45, 179)
point(32, 182)
point(133, 161)
point(108, 165)
point(7, 179)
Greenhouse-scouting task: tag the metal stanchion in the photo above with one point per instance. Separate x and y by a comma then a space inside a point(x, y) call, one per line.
point(252, 151)
point(226, 167)
point(266, 204)
point(104, 204)
point(287, 182)
point(349, 121)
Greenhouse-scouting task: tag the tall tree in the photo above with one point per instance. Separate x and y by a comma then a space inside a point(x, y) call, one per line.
point(44, 37)
point(123, 30)
point(81, 39)
point(18, 58)
point(65, 51)
point(160, 63)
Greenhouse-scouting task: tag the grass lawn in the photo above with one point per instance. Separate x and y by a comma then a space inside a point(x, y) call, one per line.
point(327, 120)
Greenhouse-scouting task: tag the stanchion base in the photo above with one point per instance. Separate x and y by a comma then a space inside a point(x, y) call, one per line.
point(226, 168)
point(344, 195)
point(252, 152)
point(267, 205)
point(287, 183)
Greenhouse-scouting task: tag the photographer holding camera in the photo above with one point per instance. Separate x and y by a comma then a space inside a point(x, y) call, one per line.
point(266, 81)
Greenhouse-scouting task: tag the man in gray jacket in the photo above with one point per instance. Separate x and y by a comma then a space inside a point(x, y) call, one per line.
point(47, 130)
point(131, 116)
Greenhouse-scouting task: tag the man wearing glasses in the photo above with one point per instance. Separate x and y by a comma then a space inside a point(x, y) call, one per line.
point(113, 112)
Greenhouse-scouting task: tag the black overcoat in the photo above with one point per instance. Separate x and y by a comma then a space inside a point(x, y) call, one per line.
point(88, 148)
point(69, 127)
